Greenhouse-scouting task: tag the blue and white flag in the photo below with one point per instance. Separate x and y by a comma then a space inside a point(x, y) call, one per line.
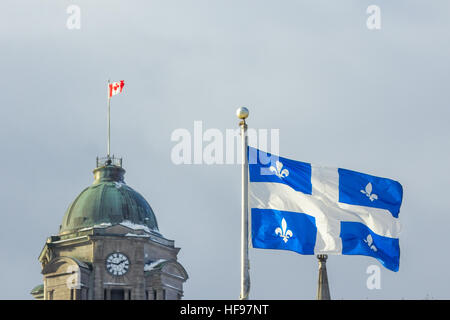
point(309, 209)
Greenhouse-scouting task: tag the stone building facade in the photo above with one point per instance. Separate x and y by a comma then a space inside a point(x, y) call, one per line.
point(109, 247)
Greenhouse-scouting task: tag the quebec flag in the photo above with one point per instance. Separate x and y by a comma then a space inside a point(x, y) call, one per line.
point(310, 210)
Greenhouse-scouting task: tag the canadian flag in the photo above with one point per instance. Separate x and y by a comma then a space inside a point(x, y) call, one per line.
point(116, 88)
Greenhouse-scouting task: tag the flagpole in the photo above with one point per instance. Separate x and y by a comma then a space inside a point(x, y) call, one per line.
point(323, 289)
point(242, 113)
point(109, 121)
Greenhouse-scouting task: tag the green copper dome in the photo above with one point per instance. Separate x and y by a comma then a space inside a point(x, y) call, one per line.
point(108, 201)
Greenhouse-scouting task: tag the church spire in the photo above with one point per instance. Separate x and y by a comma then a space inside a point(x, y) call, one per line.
point(323, 289)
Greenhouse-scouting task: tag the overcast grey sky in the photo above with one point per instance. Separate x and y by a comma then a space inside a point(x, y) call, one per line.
point(375, 101)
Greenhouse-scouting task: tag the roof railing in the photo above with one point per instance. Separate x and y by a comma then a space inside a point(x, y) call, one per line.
point(108, 161)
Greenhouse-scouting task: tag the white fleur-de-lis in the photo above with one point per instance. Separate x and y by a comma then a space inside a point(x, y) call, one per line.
point(369, 242)
point(278, 170)
point(368, 192)
point(283, 232)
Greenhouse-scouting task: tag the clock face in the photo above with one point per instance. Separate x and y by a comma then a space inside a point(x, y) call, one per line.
point(117, 264)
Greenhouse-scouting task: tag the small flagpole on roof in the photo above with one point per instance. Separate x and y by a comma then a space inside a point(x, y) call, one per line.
point(323, 289)
point(113, 89)
point(109, 120)
point(242, 113)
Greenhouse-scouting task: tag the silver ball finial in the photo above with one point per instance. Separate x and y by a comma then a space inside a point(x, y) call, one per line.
point(242, 113)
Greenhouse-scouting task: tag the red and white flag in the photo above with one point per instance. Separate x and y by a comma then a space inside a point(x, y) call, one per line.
point(116, 88)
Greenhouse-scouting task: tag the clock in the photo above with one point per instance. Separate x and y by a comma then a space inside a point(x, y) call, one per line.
point(117, 264)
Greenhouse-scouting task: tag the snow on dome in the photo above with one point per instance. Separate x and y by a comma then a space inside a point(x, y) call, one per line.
point(135, 226)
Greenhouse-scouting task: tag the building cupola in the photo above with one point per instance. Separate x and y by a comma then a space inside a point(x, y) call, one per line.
point(109, 200)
